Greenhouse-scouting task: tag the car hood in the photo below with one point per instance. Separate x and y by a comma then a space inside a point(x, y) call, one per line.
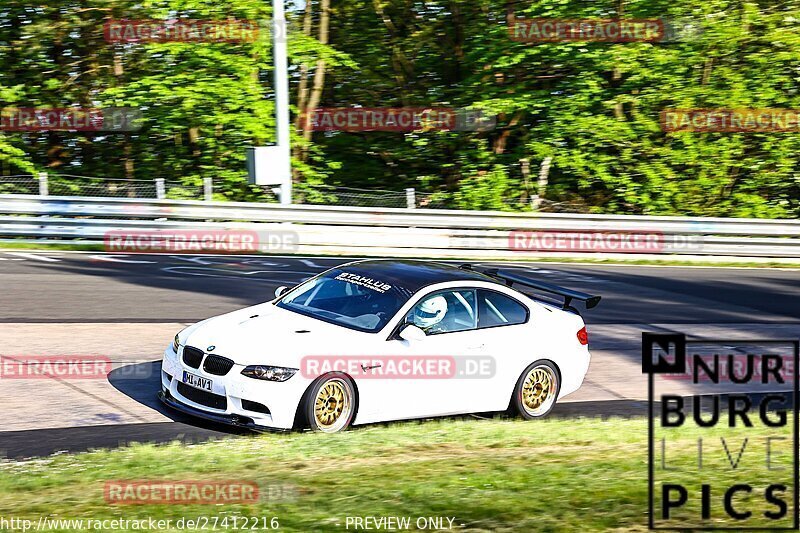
point(266, 334)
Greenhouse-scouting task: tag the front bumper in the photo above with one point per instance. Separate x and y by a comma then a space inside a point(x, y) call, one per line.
point(230, 420)
point(234, 391)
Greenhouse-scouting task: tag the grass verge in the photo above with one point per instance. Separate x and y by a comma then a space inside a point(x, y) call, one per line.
point(489, 475)
point(72, 246)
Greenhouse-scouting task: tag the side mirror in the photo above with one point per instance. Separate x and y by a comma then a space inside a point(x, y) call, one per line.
point(280, 291)
point(410, 332)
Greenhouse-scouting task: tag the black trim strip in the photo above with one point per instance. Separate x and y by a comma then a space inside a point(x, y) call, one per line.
point(228, 420)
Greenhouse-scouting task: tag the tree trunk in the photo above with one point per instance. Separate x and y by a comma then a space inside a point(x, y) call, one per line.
point(616, 76)
point(302, 90)
point(129, 168)
point(301, 122)
point(319, 74)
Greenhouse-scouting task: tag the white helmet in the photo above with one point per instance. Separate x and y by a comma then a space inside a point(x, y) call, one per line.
point(430, 312)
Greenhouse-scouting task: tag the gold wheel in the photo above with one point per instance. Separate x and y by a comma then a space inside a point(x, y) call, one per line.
point(539, 390)
point(333, 405)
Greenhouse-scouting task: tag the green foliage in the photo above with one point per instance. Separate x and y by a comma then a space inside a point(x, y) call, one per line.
point(484, 190)
point(592, 107)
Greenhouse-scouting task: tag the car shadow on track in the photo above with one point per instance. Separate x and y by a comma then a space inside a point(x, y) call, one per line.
point(142, 383)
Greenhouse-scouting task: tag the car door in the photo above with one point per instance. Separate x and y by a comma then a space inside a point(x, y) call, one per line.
point(439, 359)
point(469, 371)
point(505, 334)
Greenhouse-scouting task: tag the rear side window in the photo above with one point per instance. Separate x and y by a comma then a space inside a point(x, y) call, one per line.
point(495, 309)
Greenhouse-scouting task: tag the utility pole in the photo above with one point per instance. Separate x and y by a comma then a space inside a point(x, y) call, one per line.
point(272, 165)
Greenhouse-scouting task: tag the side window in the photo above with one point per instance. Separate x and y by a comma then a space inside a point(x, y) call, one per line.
point(495, 309)
point(445, 312)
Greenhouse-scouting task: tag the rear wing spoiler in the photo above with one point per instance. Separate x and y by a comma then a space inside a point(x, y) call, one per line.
point(509, 278)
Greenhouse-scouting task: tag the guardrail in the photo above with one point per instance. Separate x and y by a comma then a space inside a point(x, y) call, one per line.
point(406, 232)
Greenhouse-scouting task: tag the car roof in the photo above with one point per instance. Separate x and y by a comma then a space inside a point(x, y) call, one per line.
point(409, 275)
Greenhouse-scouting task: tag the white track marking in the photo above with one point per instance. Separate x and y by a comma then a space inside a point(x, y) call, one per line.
point(310, 263)
point(559, 275)
point(524, 264)
point(230, 260)
point(118, 259)
point(264, 263)
point(233, 274)
point(37, 257)
point(191, 259)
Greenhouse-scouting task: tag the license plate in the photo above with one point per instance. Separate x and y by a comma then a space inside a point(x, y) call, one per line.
point(197, 381)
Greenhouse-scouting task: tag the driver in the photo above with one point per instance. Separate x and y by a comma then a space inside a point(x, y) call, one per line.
point(428, 314)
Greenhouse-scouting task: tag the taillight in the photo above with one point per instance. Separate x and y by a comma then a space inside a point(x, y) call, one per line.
point(583, 336)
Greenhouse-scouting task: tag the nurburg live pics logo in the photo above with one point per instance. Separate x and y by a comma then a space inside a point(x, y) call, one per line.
point(719, 459)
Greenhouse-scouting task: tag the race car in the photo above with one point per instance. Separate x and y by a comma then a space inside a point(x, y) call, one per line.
point(381, 340)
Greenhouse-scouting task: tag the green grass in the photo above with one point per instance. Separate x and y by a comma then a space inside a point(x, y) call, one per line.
point(52, 245)
point(491, 475)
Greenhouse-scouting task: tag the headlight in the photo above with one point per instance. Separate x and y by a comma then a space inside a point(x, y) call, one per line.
point(176, 342)
point(269, 373)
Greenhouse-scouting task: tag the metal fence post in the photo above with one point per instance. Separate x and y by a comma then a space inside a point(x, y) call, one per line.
point(411, 198)
point(43, 190)
point(208, 189)
point(160, 189)
point(541, 184)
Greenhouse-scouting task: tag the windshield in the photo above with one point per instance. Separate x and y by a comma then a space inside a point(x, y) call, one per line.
point(346, 298)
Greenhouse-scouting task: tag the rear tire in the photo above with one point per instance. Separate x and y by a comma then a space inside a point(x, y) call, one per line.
point(537, 390)
point(330, 404)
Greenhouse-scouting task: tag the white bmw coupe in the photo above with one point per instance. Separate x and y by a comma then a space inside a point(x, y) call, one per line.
point(381, 340)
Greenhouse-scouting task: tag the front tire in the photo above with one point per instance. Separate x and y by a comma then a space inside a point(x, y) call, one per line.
point(330, 404)
point(537, 390)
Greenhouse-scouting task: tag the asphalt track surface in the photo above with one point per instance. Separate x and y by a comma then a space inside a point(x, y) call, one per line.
point(89, 288)
point(61, 287)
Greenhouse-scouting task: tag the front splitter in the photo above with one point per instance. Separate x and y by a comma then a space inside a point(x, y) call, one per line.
point(228, 420)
